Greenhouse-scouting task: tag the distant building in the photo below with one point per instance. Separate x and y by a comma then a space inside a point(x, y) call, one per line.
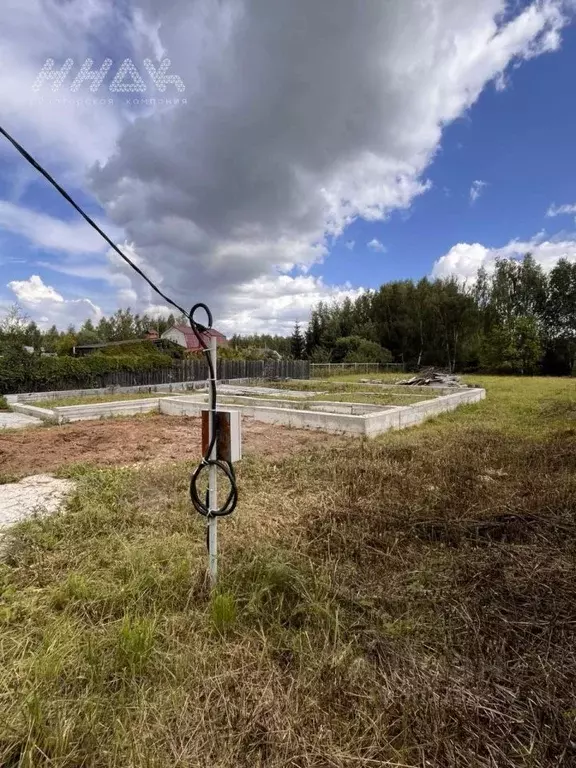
point(151, 335)
point(184, 336)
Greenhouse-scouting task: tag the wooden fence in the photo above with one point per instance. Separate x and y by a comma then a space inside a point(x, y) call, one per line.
point(197, 370)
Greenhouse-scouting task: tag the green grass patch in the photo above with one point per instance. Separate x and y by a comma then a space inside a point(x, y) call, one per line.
point(406, 601)
point(355, 378)
point(92, 399)
point(375, 397)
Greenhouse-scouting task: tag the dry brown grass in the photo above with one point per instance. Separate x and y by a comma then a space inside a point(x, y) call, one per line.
point(460, 564)
point(404, 602)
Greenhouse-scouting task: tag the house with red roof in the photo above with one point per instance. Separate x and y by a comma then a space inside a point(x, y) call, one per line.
point(184, 336)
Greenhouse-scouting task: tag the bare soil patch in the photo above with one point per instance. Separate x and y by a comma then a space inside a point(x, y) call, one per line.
point(132, 440)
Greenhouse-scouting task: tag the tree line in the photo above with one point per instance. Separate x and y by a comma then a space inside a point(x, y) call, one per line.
point(16, 329)
point(518, 319)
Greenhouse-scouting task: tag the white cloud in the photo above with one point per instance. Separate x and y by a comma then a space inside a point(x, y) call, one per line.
point(258, 172)
point(47, 306)
point(561, 210)
point(272, 304)
point(33, 291)
point(476, 190)
point(71, 248)
point(464, 259)
point(48, 232)
point(62, 128)
point(377, 246)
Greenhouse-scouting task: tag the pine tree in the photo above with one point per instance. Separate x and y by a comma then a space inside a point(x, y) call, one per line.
point(313, 334)
point(297, 343)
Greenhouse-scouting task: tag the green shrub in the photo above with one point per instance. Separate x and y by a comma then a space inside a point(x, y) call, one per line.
point(28, 373)
point(354, 349)
point(4, 404)
point(141, 348)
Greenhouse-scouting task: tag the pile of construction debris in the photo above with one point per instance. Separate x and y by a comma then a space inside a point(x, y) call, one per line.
point(430, 377)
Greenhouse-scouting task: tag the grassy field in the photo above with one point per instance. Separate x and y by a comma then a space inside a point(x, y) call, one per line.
point(91, 399)
point(409, 601)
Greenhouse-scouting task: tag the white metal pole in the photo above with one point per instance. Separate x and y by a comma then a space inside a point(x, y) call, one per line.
point(212, 484)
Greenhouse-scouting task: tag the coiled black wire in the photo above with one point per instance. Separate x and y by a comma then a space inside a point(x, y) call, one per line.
point(229, 505)
point(203, 508)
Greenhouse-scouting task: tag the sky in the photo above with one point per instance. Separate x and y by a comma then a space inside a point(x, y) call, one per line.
point(264, 156)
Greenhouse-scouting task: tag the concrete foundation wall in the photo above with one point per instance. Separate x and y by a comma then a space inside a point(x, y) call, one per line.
point(32, 410)
point(30, 397)
point(254, 391)
point(352, 409)
point(181, 406)
point(368, 424)
point(334, 423)
point(67, 413)
point(409, 415)
point(327, 422)
point(334, 417)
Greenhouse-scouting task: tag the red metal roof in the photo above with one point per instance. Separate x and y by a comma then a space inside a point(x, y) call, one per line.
point(190, 336)
point(187, 330)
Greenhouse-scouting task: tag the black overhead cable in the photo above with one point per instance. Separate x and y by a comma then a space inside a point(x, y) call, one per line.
point(198, 329)
point(35, 164)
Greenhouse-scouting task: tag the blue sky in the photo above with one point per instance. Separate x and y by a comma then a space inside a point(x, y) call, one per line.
point(520, 141)
point(300, 164)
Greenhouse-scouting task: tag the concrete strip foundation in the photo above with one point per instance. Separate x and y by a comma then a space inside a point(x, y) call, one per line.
point(64, 414)
point(32, 410)
point(399, 389)
point(363, 419)
point(368, 424)
point(300, 419)
point(236, 389)
point(352, 409)
point(105, 410)
point(31, 397)
point(179, 386)
point(400, 417)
